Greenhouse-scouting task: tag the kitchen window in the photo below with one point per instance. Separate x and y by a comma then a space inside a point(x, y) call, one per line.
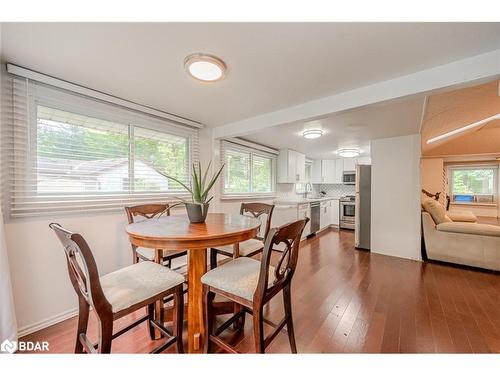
point(73, 153)
point(247, 172)
point(473, 185)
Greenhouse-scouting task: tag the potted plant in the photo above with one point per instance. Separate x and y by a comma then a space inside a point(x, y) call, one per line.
point(197, 208)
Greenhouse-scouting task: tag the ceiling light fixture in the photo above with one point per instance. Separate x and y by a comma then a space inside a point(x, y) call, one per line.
point(204, 67)
point(464, 128)
point(312, 133)
point(348, 152)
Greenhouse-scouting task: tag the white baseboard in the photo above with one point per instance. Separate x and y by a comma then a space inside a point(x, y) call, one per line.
point(26, 330)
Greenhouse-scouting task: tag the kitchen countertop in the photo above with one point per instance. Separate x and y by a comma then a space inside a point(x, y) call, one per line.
point(289, 201)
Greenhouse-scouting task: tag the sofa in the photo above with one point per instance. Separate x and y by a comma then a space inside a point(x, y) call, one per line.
point(461, 242)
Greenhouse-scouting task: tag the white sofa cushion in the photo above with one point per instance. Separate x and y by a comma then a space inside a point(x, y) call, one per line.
point(462, 216)
point(136, 283)
point(246, 247)
point(436, 210)
point(239, 277)
point(470, 228)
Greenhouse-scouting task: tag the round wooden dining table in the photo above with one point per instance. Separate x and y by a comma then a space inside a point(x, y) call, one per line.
point(177, 233)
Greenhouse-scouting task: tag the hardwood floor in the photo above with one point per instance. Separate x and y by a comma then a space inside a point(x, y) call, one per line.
point(345, 300)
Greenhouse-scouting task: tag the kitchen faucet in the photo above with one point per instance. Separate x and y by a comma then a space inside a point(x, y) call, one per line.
point(307, 189)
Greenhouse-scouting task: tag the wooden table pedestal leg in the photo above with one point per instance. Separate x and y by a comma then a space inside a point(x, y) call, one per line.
point(197, 266)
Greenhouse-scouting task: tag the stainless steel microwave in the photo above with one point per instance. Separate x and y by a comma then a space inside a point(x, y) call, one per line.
point(349, 178)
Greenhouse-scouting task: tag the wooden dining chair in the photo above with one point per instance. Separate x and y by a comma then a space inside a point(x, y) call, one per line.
point(250, 247)
point(251, 284)
point(119, 293)
point(149, 211)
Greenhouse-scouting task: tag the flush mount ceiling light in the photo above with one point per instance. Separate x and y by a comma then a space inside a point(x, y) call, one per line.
point(312, 133)
point(204, 67)
point(348, 152)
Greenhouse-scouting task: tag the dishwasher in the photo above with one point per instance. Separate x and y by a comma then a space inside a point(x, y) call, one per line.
point(315, 215)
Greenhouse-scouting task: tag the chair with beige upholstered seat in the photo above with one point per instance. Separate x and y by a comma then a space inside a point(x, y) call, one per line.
point(119, 293)
point(252, 284)
point(149, 211)
point(251, 247)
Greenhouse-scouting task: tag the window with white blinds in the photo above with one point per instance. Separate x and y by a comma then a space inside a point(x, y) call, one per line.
point(248, 171)
point(68, 152)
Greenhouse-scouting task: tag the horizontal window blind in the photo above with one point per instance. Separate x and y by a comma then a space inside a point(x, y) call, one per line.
point(63, 153)
point(248, 171)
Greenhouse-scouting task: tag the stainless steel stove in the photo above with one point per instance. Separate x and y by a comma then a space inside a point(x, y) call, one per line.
point(347, 212)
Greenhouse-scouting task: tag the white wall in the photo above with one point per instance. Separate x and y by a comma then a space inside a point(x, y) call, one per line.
point(395, 214)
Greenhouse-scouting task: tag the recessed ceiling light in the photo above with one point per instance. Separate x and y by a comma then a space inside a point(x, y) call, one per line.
point(348, 152)
point(204, 67)
point(312, 133)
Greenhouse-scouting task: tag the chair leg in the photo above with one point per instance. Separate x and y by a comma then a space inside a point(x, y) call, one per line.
point(178, 321)
point(83, 320)
point(105, 334)
point(207, 304)
point(213, 259)
point(151, 316)
point(258, 330)
point(240, 323)
point(287, 301)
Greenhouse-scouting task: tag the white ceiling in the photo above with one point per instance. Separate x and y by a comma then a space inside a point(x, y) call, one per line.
point(271, 66)
point(354, 128)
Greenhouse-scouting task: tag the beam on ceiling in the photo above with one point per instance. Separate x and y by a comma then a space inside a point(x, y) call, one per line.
point(464, 71)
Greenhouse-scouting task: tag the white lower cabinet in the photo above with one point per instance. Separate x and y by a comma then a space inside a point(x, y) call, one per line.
point(284, 214)
point(324, 215)
point(335, 214)
point(303, 211)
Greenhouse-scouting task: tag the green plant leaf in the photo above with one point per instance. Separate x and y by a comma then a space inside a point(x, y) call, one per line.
point(176, 180)
point(212, 182)
point(196, 186)
point(204, 180)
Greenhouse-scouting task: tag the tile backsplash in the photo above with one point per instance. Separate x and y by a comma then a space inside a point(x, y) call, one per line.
point(332, 190)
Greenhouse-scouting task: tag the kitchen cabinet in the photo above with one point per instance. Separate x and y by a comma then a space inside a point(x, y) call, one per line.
point(349, 164)
point(328, 168)
point(283, 214)
point(303, 211)
point(316, 175)
point(334, 212)
point(339, 171)
point(291, 167)
point(364, 160)
point(325, 216)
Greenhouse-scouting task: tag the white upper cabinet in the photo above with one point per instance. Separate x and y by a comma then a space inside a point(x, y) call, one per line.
point(364, 160)
point(291, 167)
point(339, 171)
point(349, 164)
point(316, 177)
point(328, 171)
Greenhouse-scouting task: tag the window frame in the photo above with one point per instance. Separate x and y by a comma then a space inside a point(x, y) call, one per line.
point(455, 167)
point(38, 94)
point(227, 145)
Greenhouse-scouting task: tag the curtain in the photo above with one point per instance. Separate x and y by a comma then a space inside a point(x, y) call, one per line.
point(8, 325)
